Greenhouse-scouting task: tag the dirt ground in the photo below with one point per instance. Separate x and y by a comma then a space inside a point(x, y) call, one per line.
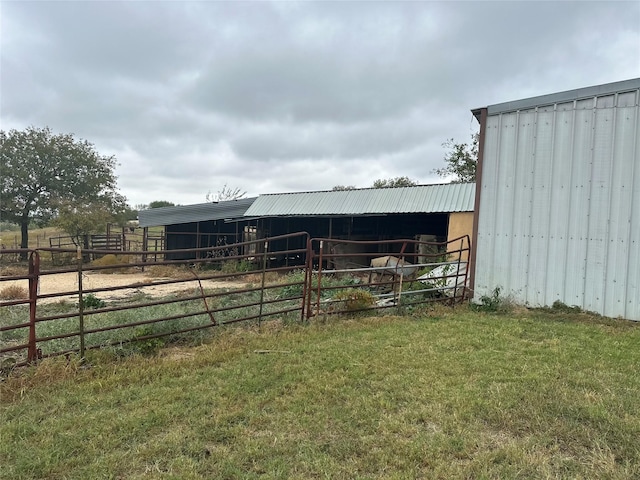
point(139, 283)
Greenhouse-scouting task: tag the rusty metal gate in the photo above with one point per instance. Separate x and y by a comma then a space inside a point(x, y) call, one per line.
point(147, 303)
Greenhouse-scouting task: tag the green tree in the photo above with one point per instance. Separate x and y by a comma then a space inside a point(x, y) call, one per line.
point(342, 188)
point(80, 220)
point(161, 204)
point(41, 171)
point(394, 182)
point(461, 160)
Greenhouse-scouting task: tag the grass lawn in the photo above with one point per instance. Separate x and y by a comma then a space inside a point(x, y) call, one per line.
point(449, 394)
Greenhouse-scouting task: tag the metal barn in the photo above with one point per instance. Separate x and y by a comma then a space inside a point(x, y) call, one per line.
point(558, 200)
point(198, 226)
point(423, 212)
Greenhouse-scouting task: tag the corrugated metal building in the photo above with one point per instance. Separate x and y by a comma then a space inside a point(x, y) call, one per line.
point(427, 212)
point(200, 212)
point(453, 197)
point(198, 226)
point(558, 202)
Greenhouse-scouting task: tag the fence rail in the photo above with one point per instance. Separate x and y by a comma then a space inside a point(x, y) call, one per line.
point(143, 304)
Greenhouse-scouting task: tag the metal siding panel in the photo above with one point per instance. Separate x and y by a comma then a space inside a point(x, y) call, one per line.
point(561, 174)
point(488, 272)
point(541, 207)
point(500, 184)
point(522, 200)
point(578, 211)
point(621, 210)
point(632, 284)
point(599, 205)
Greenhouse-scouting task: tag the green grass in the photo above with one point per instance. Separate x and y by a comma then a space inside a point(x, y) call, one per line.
point(452, 394)
point(232, 307)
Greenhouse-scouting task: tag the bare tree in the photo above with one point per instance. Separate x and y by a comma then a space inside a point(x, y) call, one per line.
point(226, 193)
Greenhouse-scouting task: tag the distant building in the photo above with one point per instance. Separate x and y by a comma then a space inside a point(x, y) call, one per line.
point(197, 226)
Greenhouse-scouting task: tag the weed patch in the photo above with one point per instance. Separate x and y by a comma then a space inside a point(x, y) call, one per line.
point(494, 303)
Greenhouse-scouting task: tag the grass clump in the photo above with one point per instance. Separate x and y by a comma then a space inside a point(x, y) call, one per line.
point(14, 292)
point(235, 266)
point(354, 299)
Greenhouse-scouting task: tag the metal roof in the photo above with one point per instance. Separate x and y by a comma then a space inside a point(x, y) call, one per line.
point(452, 197)
point(568, 96)
point(199, 212)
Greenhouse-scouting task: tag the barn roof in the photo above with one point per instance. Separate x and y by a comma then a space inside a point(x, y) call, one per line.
point(560, 97)
point(452, 197)
point(199, 212)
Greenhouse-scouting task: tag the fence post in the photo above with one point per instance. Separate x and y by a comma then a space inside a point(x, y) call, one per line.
point(306, 288)
point(80, 302)
point(264, 272)
point(34, 279)
point(319, 278)
point(400, 264)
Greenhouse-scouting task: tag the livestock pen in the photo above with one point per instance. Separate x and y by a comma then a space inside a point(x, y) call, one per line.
point(146, 304)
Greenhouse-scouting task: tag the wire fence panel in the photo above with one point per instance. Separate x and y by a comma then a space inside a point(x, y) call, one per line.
point(127, 302)
point(355, 276)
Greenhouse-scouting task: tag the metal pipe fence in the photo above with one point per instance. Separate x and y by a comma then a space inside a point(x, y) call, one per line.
point(382, 276)
point(140, 305)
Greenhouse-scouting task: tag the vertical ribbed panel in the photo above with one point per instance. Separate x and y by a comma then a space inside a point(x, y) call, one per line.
point(559, 213)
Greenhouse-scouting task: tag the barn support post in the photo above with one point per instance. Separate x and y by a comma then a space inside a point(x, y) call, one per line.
point(34, 279)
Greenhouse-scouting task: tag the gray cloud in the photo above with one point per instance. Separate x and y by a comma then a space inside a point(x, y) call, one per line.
point(283, 96)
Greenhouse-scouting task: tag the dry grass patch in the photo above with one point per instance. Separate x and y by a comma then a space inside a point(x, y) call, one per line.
point(178, 272)
point(14, 292)
point(14, 270)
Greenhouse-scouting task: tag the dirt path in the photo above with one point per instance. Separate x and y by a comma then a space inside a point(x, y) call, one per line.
point(139, 283)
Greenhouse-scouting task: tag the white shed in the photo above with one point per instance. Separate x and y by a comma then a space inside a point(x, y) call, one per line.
point(558, 200)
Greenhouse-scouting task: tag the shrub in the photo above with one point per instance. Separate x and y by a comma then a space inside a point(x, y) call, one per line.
point(91, 301)
point(14, 292)
point(355, 299)
point(148, 346)
point(494, 303)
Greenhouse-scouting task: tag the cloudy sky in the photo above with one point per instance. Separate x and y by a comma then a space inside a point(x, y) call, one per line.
point(291, 96)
